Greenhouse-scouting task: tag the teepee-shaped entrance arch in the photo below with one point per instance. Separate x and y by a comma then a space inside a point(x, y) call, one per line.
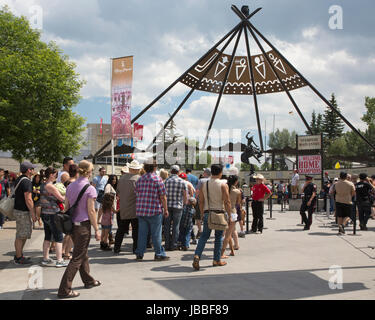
point(222, 74)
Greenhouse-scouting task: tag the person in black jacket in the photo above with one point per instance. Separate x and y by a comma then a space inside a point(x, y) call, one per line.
point(363, 190)
point(308, 202)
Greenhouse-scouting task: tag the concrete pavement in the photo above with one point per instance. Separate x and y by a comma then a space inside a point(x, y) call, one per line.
point(282, 263)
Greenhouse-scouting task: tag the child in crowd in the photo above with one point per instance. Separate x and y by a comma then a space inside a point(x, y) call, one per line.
point(186, 225)
point(105, 218)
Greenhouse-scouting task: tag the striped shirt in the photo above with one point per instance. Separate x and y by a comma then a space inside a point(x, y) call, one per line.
point(175, 187)
point(149, 188)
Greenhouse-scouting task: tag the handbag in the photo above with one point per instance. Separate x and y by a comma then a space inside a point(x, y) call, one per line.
point(63, 221)
point(217, 219)
point(7, 204)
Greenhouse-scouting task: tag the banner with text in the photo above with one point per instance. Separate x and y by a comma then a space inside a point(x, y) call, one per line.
point(122, 78)
point(310, 164)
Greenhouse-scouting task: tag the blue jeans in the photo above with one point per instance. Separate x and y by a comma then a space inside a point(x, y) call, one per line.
point(154, 224)
point(185, 235)
point(204, 238)
point(174, 218)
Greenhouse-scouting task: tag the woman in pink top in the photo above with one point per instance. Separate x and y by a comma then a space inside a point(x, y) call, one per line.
point(83, 217)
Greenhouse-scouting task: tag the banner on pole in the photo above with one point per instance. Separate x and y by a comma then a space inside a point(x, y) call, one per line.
point(122, 78)
point(138, 132)
point(310, 164)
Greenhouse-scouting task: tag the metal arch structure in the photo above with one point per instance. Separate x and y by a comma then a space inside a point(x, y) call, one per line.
point(267, 73)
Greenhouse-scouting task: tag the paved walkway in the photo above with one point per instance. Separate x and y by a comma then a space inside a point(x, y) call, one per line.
point(282, 263)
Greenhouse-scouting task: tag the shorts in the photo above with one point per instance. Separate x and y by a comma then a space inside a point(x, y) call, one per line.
point(97, 205)
point(109, 227)
point(24, 226)
point(51, 233)
point(343, 210)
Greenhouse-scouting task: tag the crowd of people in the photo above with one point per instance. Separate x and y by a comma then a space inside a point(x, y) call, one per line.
point(156, 206)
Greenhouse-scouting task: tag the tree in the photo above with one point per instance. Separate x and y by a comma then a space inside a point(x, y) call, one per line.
point(333, 126)
point(282, 139)
point(316, 123)
point(38, 90)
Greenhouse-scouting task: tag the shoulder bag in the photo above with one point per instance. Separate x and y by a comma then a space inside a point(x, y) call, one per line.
point(7, 204)
point(217, 219)
point(63, 221)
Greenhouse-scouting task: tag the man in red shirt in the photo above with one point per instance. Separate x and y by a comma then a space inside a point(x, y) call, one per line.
point(260, 194)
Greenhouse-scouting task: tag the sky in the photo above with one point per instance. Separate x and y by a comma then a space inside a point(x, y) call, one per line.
point(166, 37)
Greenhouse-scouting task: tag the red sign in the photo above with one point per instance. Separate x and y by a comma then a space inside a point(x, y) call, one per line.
point(138, 132)
point(310, 164)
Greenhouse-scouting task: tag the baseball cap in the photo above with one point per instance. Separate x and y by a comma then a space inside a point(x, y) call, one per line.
point(309, 177)
point(26, 165)
point(183, 175)
point(175, 168)
point(363, 176)
point(207, 171)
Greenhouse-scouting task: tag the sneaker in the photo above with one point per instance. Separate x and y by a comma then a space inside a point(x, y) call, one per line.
point(62, 264)
point(341, 229)
point(139, 258)
point(161, 258)
point(1, 227)
point(48, 263)
point(194, 242)
point(22, 261)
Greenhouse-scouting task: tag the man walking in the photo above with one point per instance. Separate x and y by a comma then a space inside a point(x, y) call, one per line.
point(309, 202)
point(363, 190)
point(176, 189)
point(23, 211)
point(128, 213)
point(213, 196)
point(345, 191)
point(4, 192)
point(261, 193)
point(150, 203)
point(199, 215)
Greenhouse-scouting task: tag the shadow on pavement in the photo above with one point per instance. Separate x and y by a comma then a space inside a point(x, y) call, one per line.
point(282, 285)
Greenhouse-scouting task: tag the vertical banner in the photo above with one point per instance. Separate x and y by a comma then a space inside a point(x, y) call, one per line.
point(122, 78)
point(138, 132)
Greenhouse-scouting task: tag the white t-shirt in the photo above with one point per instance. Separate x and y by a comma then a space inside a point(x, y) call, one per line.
point(295, 179)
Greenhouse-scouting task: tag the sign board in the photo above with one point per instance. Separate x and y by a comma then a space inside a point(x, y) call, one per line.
point(309, 142)
point(310, 164)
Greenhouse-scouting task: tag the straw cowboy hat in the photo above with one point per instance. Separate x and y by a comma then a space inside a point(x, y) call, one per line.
point(259, 176)
point(135, 165)
point(125, 169)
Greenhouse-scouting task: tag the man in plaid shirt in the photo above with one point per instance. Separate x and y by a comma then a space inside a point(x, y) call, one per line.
point(177, 196)
point(150, 204)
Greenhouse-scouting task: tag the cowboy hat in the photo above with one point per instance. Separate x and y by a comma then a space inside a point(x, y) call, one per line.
point(125, 169)
point(135, 165)
point(259, 176)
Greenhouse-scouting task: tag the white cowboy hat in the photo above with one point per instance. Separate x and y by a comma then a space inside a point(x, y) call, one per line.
point(125, 169)
point(259, 176)
point(135, 165)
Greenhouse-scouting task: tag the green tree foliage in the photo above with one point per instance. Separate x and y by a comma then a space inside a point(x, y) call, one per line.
point(282, 139)
point(38, 90)
point(316, 123)
point(333, 126)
